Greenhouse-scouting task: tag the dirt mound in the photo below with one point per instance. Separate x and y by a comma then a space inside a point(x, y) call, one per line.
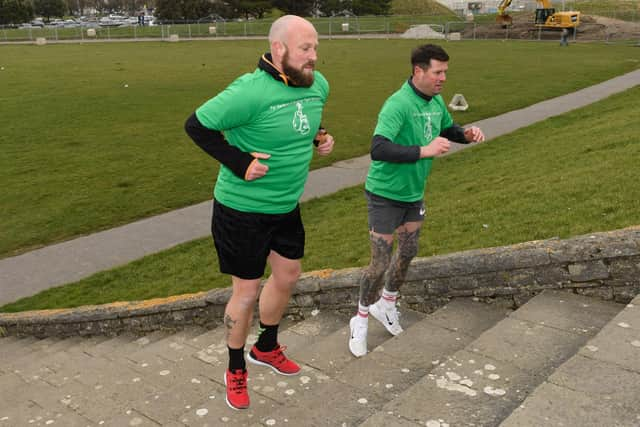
point(617, 28)
point(591, 28)
point(422, 32)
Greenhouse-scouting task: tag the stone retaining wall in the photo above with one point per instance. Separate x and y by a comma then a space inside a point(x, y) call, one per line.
point(604, 265)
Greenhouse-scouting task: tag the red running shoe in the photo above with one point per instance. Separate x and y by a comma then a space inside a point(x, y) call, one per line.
point(275, 359)
point(237, 395)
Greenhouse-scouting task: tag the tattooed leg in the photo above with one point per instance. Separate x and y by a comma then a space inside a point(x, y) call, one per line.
point(407, 250)
point(239, 310)
point(229, 323)
point(371, 281)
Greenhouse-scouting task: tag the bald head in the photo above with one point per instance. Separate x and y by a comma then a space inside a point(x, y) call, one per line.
point(283, 27)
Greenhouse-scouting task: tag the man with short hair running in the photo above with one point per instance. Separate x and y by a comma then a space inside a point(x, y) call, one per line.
point(413, 127)
point(262, 129)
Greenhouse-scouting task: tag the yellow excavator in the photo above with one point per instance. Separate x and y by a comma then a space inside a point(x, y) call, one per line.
point(546, 16)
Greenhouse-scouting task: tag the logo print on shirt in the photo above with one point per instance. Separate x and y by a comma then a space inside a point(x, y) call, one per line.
point(300, 121)
point(428, 130)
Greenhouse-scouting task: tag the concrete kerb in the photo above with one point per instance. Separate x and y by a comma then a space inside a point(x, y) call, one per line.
point(604, 265)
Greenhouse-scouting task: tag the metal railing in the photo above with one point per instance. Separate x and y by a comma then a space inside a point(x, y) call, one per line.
point(352, 26)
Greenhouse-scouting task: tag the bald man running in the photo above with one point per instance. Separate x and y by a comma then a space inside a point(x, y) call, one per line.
point(262, 129)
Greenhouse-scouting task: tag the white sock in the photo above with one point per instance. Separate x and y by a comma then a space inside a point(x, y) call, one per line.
point(363, 313)
point(388, 298)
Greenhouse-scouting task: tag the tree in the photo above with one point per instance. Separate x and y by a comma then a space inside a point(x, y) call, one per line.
point(357, 7)
point(333, 7)
point(168, 10)
point(15, 12)
point(176, 10)
point(49, 8)
point(224, 9)
point(295, 7)
point(129, 6)
point(255, 8)
point(371, 7)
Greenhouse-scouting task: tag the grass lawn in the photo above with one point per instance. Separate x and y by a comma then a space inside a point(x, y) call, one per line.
point(569, 175)
point(92, 134)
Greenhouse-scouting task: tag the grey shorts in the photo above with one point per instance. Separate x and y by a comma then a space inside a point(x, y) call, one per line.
point(385, 215)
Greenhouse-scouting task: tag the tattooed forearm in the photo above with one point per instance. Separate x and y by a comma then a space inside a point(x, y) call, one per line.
point(407, 250)
point(371, 281)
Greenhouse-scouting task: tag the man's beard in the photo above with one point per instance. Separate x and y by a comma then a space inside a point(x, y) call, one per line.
point(297, 76)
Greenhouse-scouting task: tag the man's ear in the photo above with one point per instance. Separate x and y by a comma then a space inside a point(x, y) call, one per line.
point(278, 48)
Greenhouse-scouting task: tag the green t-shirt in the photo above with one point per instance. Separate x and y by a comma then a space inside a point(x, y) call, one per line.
point(406, 119)
point(259, 114)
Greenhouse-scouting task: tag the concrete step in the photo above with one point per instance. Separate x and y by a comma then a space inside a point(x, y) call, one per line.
point(159, 379)
point(31, 352)
point(598, 386)
point(467, 363)
point(268, 391)
point(32, 364)
point(354, 389)
point(484, 382)
point(14, 345)
point(117, 346)
point(331, 353)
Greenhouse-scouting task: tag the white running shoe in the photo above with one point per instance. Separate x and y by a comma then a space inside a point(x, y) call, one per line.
point(388, 316)
point(358, 336)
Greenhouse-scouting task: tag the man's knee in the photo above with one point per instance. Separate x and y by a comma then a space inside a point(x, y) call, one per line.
point(408, 252)
point(408, 245)
point(245, 293)
point(377, 268)
point(381, 250)
point(288, 278)
point(244, 299)
point(286, 275)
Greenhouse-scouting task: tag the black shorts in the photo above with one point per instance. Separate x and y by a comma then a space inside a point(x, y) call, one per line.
point(385, 215)
point(243, 240)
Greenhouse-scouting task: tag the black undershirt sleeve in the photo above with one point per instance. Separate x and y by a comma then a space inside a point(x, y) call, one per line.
point(454, 133)
point(385, 150)
point(214, 144)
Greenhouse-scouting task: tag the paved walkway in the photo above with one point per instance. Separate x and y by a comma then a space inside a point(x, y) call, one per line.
point(54, 265)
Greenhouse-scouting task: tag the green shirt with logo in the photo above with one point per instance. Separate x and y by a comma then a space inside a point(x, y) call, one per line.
point(259, 114)
point(406, 119)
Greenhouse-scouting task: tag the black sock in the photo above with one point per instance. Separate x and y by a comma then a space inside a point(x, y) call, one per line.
point(236, 359)
point(268, 337)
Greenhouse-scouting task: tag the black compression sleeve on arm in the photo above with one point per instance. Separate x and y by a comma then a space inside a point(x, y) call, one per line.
point(213, 143)
point(454, 133)
point(385, 150)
